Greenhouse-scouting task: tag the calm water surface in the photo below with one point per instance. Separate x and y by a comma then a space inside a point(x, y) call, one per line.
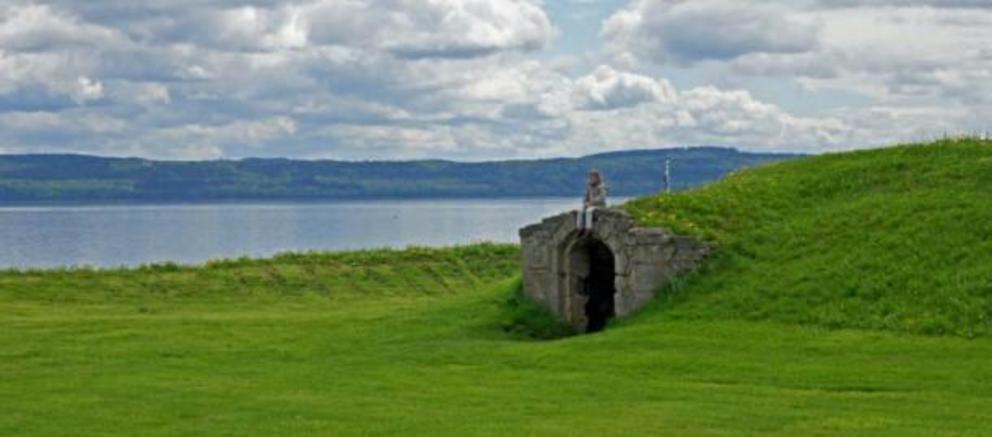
point(128, 235)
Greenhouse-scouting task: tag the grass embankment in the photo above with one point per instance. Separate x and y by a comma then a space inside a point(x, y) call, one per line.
point(415, 342)
point(895, 239)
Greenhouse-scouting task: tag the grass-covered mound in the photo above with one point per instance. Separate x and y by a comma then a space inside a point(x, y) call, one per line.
point(336, 275)
point(895, 239)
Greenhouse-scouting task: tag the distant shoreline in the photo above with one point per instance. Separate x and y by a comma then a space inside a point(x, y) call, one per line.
point(77, 178)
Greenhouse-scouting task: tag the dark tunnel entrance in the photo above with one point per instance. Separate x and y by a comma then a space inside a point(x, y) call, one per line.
point(599, 285)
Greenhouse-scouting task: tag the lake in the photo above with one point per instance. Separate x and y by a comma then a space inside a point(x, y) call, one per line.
point(130, 235)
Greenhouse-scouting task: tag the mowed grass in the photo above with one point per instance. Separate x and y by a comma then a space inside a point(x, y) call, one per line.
point(896, 239)
point(415, 343)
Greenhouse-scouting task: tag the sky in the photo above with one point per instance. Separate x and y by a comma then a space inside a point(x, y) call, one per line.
point(486, 79)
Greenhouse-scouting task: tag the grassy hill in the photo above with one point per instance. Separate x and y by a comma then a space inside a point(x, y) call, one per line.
point(896, 239)
point(816, 317)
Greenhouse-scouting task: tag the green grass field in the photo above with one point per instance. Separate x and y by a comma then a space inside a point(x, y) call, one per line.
point(850, 295)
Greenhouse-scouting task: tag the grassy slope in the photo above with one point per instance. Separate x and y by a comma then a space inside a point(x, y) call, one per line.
point(413, 342)
point(309, 276)
point(896, 239)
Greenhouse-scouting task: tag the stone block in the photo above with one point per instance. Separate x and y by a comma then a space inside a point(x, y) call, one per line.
point(646, 278)
point(650, 236)
point(652, 254)
point(536, 256)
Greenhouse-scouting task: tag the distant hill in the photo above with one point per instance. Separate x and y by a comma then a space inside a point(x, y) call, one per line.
point(82, 178)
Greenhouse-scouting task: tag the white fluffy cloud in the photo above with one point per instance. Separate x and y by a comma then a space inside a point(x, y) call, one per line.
point(432, 29)
point(406, 28)
point(37, 27)
point(607, 88)
point(195, 72)
point(918, 51)
point(695, 30)
point(914, 55)
point(881, 48)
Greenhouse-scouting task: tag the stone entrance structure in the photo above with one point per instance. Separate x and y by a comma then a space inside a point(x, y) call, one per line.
point(586, 279)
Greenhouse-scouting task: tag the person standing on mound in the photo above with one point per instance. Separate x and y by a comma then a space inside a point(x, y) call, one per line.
point(595, 198)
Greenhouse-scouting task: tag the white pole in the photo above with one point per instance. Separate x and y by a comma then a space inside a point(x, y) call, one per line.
point(668, 175)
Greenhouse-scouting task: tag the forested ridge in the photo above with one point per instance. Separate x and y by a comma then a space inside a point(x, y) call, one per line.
point(81, 178)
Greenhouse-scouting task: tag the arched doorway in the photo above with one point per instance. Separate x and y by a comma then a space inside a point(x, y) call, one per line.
point(592, 269)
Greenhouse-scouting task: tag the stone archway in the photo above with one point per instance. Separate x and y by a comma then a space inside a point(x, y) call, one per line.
point(592, 283)
point(558, 260)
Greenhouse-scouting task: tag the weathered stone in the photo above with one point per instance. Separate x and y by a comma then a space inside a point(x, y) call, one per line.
point(652, 253)
point(536, 256)
point(650, 236)
point(556, 262)
point(531, 230)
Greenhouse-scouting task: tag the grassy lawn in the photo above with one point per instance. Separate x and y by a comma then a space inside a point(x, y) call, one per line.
point(436, 359)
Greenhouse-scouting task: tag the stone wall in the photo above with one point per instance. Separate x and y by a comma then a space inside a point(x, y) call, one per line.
point(645, 259)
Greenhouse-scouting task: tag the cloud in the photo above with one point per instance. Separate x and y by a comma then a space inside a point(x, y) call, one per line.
point(477, 79)
point(149, 93)
point(916, 55)
point(607, 88)
point(196, 72)
point(881, 48)
point(465, 29)
point(709, 115)
point(86, 90)
point(406, 28)
point(34, 28)
point(949, 4)
point(904, 54)
point(699, 30)
point(39, 51)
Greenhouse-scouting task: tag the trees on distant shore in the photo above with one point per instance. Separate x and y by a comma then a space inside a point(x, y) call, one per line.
point(81, 178)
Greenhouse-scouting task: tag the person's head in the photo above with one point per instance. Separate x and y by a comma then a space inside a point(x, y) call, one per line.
point(595, 178)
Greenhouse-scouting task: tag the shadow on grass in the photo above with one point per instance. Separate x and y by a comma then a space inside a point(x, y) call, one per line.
point(522, 319)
